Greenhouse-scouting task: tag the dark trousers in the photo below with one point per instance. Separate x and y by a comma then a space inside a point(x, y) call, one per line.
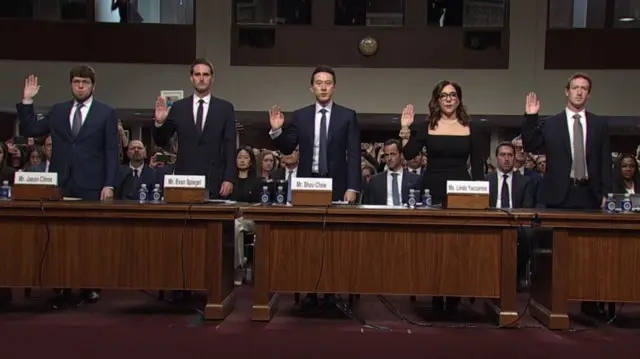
point(71, 189)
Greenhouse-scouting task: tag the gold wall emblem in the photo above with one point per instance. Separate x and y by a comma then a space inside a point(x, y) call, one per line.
point(368, 46)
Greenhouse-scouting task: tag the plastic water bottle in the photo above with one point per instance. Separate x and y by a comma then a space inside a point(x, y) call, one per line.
point(610, 203)
point(156, 195)
point(426, 199)
point(143, 194)
point(411, 203)
point(280, 196)
point(265, 197)
point(626, 203)
point(5, 191)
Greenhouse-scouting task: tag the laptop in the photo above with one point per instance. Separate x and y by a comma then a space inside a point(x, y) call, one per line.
point(635, 200)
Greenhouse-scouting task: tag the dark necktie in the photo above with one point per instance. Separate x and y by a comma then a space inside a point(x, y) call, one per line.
point(395, 193)
point(200, 115)
point(504, 193)
point(136, 179)
point(579, 164)
point(323, 165)
point(289, 175)
point(414, 171)
point(77, 120)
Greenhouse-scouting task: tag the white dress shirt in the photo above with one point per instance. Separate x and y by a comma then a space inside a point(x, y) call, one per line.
point(390, 186)
point(294, 173)
point(205, 108)
point(499, 189)
point(315, 164)
point(84, 110)
point(583, 122)
point(46, 165)
point(139, 168)
point(417, 171)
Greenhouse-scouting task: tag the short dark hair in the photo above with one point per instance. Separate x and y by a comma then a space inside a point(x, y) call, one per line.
point(393, 142)
point(83, 71)
point(580, 75)
point(325, 69)
point(205, 62)
point(505, 144)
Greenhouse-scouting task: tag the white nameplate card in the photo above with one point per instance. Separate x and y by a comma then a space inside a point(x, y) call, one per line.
point(312, 184)
point(36, 178)
point(468, 187)
point(182, 181)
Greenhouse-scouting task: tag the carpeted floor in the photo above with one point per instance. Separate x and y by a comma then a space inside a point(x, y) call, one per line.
point(135, 323)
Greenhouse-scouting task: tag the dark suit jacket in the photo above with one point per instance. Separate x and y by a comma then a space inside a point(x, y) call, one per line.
point(377, 188)
point(124, 188)
point(89, 160)
point(343, 146)
point(551, 136)
point(521, 190)
point(210, 153)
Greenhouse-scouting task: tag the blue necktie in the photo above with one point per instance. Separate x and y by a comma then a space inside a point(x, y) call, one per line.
point(323, 165)
point(289, 186)
point(395, 193)
point(77, 120)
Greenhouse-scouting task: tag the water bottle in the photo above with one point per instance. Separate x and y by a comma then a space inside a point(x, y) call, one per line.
point(411, 203)
point(265, 196)
point(426, 199)
point(280, 196)
point(626, 203)
point(5, 191)
point(143, 194)
point(156, 195)
point(610, 204)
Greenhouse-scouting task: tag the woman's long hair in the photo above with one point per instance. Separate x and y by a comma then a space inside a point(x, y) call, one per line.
point(435, 112)
point(252, 160)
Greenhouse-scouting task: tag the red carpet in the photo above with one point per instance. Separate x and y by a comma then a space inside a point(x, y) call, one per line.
point(131, 323)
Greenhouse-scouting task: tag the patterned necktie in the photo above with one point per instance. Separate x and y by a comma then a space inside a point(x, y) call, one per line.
point(395, 193)
point(77, 120)
point(323, 164)
point(579, 164)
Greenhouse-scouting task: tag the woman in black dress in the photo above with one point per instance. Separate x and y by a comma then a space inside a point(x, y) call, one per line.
point(450, 141)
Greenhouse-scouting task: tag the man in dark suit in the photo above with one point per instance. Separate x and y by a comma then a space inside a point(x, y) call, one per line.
point(130, 177)
point(392, 186)
point(328, 136)
point(578, 151)
point(84, 133)
point(289, 172)
point(509, 189)
point(577, 146)
point(206, 128)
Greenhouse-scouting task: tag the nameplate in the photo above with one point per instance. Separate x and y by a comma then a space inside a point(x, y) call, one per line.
point(467, 187)
point(36, 178)
point(182, 181)
point(312, 184)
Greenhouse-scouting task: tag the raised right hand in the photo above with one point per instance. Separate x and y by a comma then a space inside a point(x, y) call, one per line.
point(31, 88)
point(532, 105)
point(276, 118)
point(162, 111)
point(407, 116)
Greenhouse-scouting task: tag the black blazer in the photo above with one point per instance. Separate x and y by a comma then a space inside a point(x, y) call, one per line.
point(343, 146)
point(551, 136)
point(123, 190)
point(210, 153)
point(89, 159)
point(521, 190)
point(377, 189)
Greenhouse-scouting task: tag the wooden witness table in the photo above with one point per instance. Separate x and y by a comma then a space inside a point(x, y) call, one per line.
point(466, 253)
point(120, 245)
point(592, 257)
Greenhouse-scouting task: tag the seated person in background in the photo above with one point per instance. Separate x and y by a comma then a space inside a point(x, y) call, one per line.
point(247, 189)
point(6, 171)
point(509, 189)
point(129, 178)
point(392, 186)
point(35, 159)
point(626, 178)
point(289, 172)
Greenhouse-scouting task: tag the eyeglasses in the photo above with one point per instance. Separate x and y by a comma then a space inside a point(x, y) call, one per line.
point(452, 95)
